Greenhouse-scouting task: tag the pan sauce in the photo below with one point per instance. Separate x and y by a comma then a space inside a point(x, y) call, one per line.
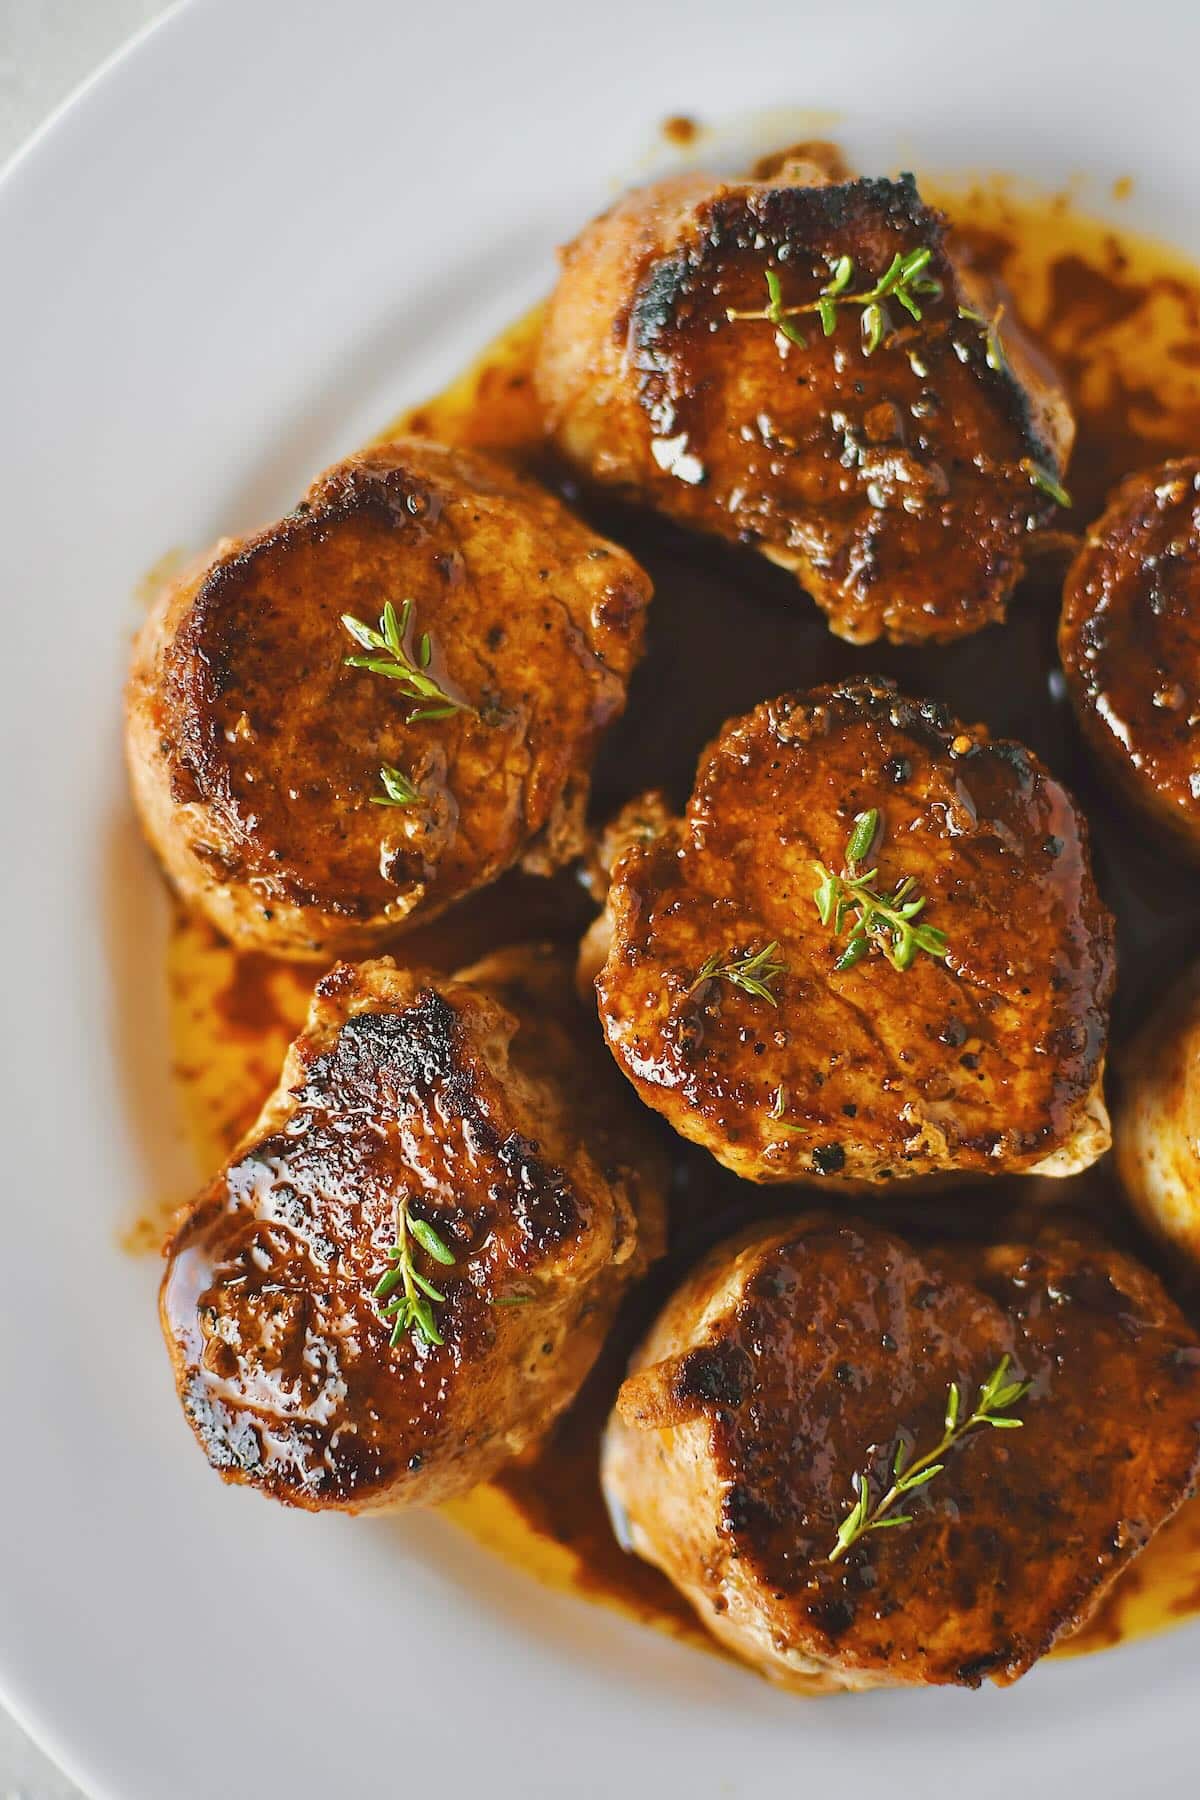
point(1121, 318)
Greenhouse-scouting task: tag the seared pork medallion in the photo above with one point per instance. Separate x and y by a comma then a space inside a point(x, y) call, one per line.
point(867, 1465)
point(1156, 1127)
point(407, 1268)
point(377, 705)
point(1130, 644)
point(872, 948)
point(797, 364)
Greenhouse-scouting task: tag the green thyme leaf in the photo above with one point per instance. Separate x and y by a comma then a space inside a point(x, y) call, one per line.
point(858, 844)
point(874, 325)
point(993, 347)
point(776, 1111)
point(398, 790)
point(1046, 482)
point(429, 1240)
point(858, 947)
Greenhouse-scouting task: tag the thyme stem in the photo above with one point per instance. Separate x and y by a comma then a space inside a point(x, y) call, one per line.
point(996, 1396)
point(904, 281)
point(411, 1310)
point(754, 974)
point(386, 653)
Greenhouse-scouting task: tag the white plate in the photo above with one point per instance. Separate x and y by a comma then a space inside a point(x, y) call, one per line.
point(225, 264)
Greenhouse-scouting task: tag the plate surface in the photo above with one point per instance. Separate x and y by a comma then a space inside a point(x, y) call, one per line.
point(228, 262)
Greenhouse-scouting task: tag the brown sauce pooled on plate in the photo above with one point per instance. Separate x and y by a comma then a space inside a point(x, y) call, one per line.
point(1121, 318)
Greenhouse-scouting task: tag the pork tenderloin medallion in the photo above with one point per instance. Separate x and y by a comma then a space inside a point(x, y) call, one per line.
point(715, 349)
point(1129, 639)
point(804, 1370)
point(378, 705)
point(1156, 1125)
point(403, 1274)
point(930, 998)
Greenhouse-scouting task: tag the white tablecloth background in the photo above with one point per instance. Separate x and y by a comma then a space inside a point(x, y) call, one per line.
point(47, 47)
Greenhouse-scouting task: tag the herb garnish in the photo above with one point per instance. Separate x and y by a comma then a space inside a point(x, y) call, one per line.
point(753, 974)
point(387, 655)
point(411, 1310)
point(398, 789)
point(904, 281)
point(996, 1396)
point(993, 348)
point(883, 920)
point(1045, 480)
point(775, 1112)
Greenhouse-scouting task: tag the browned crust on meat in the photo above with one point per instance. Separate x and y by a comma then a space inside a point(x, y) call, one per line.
point(450, 1092)
point(255, 752)
point(985, 1062)
point(897, 485)
point(1129, 639)
point(799, 1356)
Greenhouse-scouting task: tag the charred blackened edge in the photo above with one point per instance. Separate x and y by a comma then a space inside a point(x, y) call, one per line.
point(424, 1048)
point(747, 220)
point(1096, 590)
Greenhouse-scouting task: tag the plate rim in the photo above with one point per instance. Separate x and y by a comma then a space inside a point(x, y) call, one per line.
point(88, 1768)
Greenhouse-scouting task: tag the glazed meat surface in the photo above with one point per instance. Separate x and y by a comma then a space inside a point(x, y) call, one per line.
point(802, 1357)
point(988, 1060)
point(447, 1099)
point(258, 756)
point(901, 483)
point(1156, 1126)
point(1130, 644)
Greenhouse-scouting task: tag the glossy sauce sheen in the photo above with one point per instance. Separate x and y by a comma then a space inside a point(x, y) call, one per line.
point(895, 486)
point(1122, 320)
point(1130, 640)
point(253, 741)
point(843, 1077)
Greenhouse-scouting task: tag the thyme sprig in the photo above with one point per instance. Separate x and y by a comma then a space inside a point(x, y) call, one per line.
point(398, 790)
point(996, 1397)
point(1046, 481)
point(885, 921)
point(904, 281)
point(775, 1112)
point(993, 351)
point(752, 974)
point(387, 654)
point(411, 1310)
